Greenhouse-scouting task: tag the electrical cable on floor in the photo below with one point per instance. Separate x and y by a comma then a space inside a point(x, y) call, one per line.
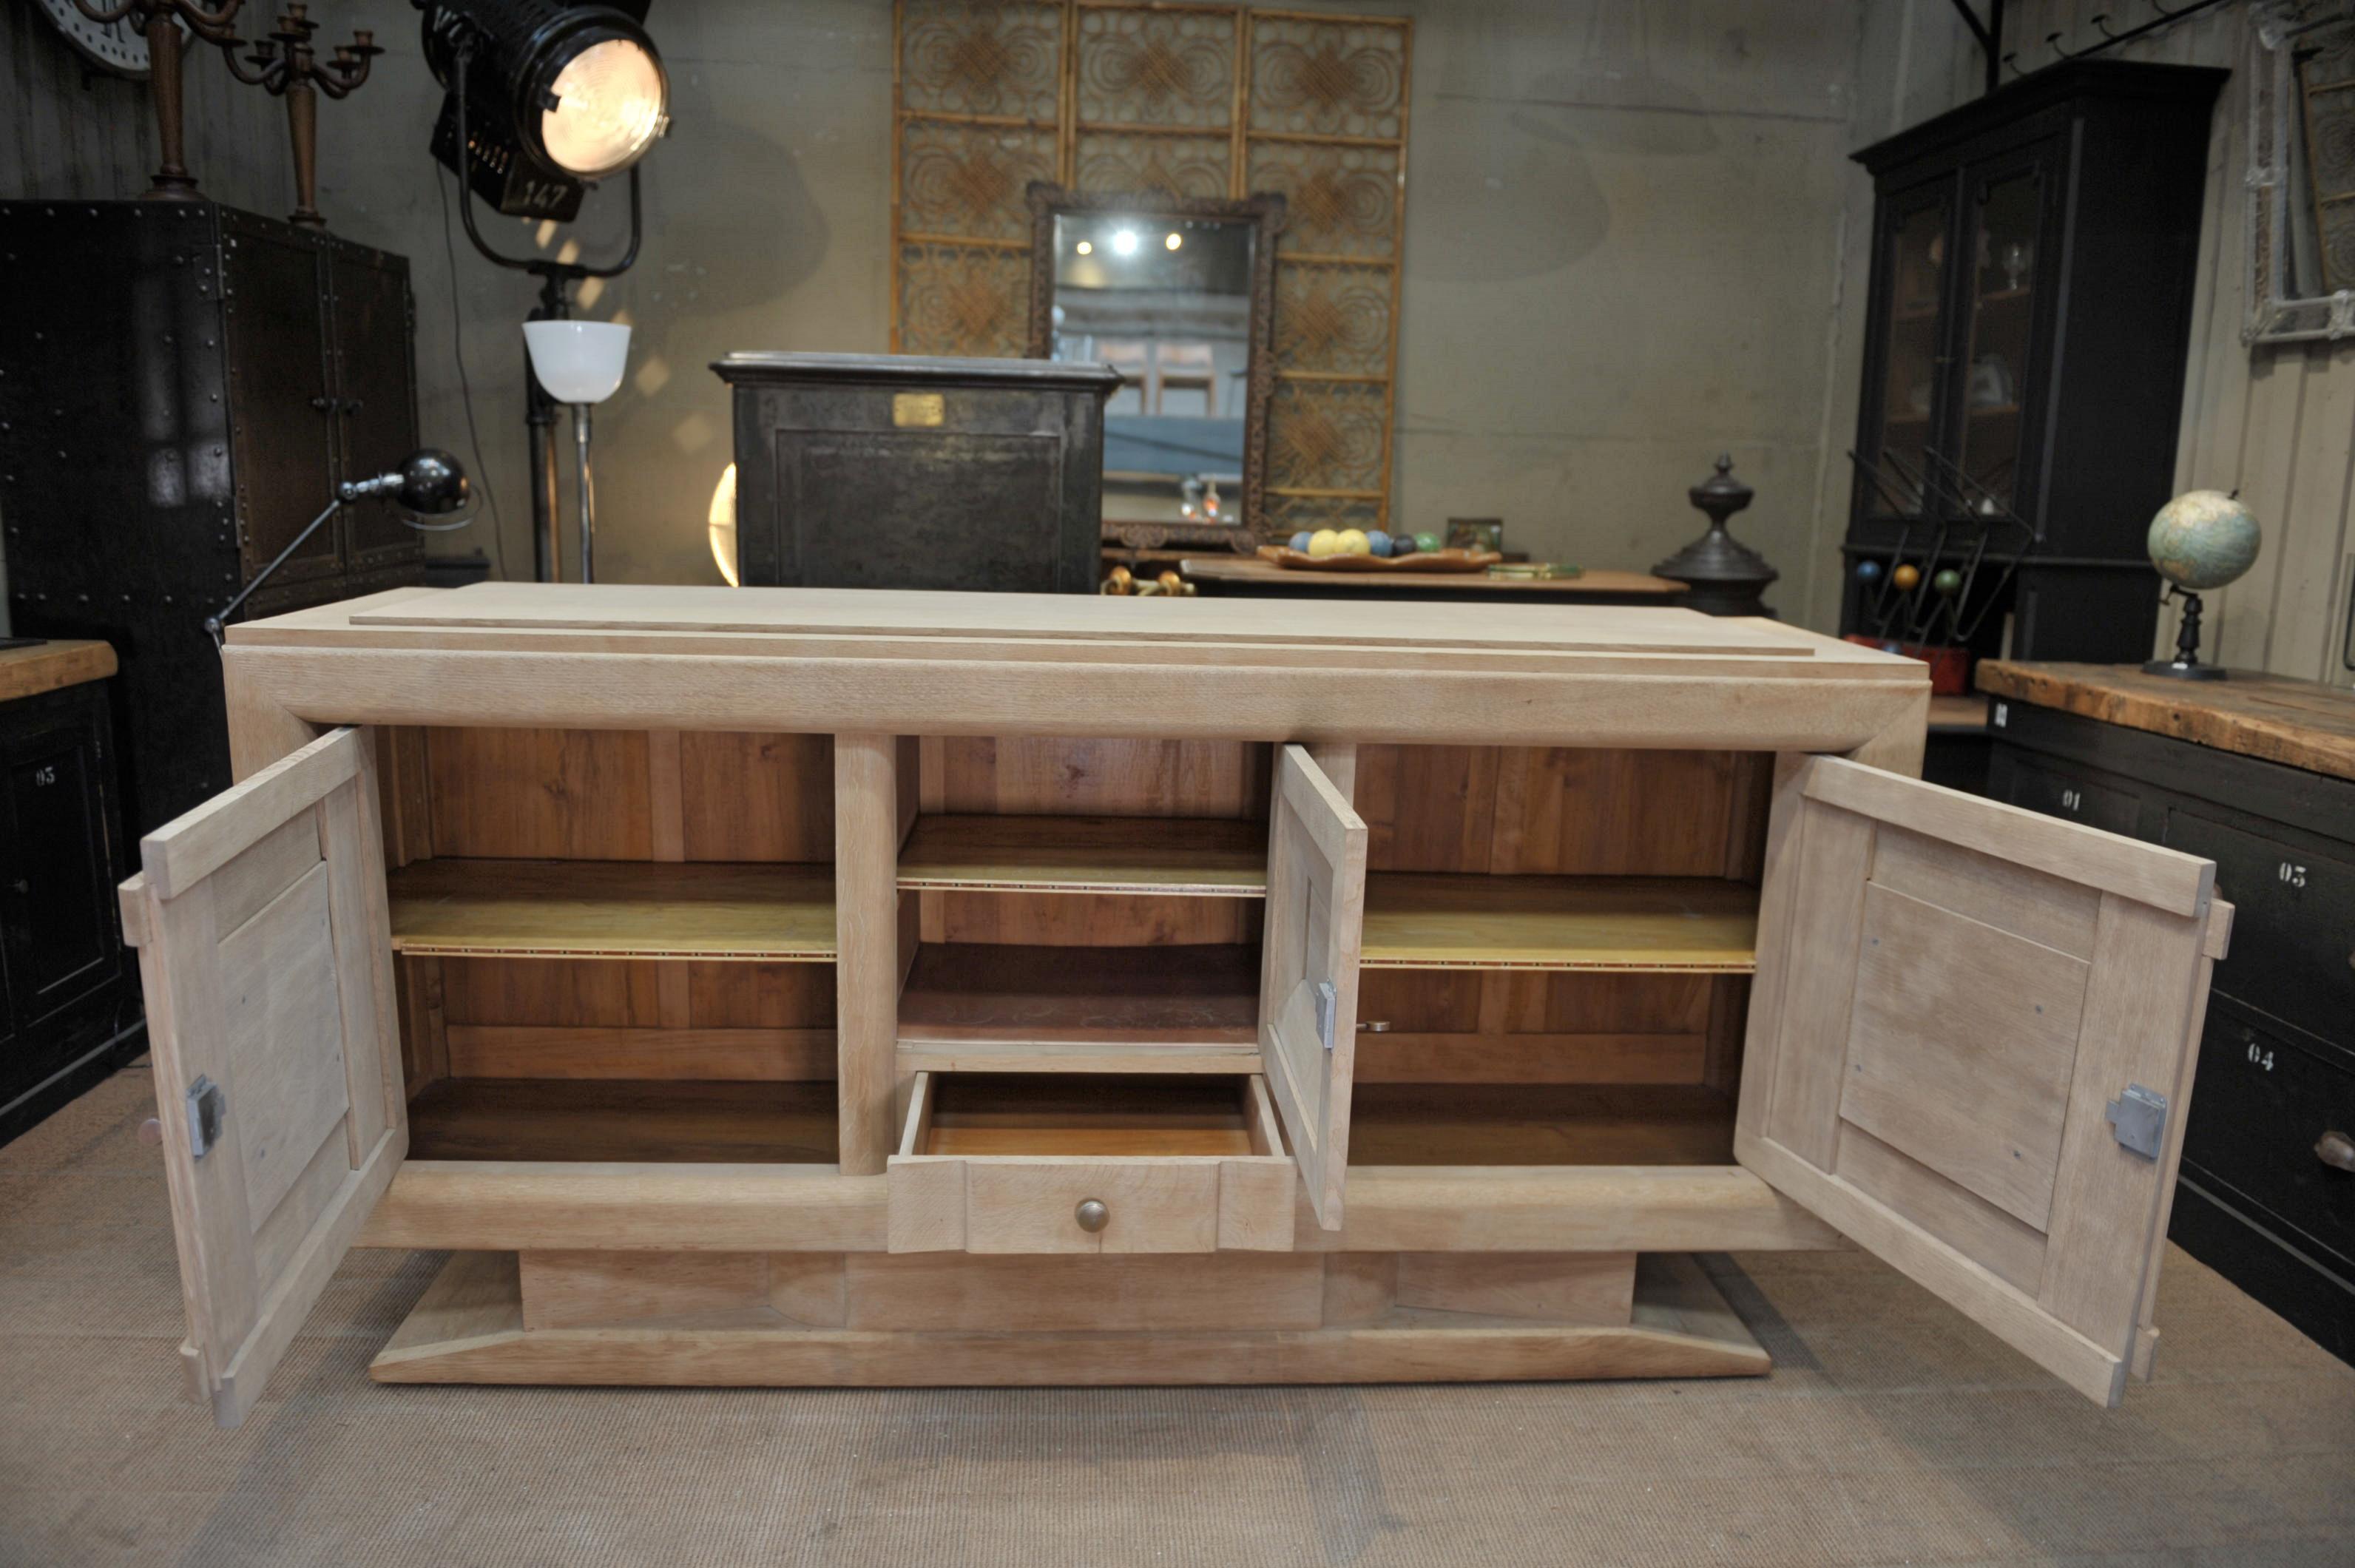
point(465, 387)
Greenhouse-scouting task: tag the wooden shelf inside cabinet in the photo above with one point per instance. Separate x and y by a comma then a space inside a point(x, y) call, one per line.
point(1540, 1123)
point(613, 909)
point(977, 1007)
point(1686, 925)
point(1204, 858)
point(691, 1123)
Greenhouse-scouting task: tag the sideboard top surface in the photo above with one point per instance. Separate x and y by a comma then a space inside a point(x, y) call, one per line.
point(933, 663)
point(1244, 629)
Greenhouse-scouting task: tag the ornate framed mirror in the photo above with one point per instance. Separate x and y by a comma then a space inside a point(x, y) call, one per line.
point(1177, 294)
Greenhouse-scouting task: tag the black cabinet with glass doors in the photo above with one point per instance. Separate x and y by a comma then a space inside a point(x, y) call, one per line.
point(2033, 265)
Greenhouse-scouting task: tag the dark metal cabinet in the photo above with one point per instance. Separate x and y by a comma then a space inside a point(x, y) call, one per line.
point(2276, 1066)
point(181, 386)
point(2029, 310)
point(62, 986)
point(896, 471)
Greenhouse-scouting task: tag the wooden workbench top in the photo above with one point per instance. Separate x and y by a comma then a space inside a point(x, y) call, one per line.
point(2298, 723)
point(1634, 585)
point(27, 672)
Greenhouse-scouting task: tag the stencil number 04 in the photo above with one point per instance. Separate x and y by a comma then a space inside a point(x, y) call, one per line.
point(2261, 1057)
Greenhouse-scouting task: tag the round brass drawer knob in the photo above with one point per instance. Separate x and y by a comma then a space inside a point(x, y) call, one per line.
point(1092, 1215)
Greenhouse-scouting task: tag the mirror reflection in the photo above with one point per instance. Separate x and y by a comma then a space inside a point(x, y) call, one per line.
point(1166, 301)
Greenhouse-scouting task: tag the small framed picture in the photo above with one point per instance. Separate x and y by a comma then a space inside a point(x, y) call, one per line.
point(1476, 533)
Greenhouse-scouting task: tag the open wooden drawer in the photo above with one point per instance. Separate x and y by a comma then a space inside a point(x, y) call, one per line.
point(1117, 1163)
point(1120, 1162)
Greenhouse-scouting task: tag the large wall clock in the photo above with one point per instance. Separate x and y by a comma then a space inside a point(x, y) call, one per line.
point(114, 47)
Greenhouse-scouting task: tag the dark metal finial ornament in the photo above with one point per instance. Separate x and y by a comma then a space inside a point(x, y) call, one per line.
point(1726, 577)
point(285, 66)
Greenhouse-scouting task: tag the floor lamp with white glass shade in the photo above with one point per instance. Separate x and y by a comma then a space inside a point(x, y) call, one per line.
point(579, 363)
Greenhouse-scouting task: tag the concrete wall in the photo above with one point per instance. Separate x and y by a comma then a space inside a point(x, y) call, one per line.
point(1633, 242)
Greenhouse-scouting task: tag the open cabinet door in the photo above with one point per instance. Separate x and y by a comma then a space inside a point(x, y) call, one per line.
point(1309, 971)
point(267, 955)
point(1970, 1051)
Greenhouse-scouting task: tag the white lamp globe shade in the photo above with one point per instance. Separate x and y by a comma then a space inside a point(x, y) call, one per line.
point(578, 361)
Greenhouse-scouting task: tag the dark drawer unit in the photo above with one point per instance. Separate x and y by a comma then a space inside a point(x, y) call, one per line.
point(2062, 789)
point(2264, 1109)
point(64, 996)
point(2294, 931)
point(2276, 1066)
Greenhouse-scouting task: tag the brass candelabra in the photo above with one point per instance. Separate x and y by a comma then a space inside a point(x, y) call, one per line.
point(286, 66)
point(159, 21)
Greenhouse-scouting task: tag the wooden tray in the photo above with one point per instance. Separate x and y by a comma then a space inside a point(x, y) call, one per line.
point(1422, 561)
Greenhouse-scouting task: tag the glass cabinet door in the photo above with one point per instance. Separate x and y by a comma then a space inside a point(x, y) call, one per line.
point(1913, 355)
point(2007, 227)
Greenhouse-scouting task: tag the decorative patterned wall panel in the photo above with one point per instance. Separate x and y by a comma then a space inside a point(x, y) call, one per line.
point(1333, 320)
point(1110, 98)
point(1328, 435)
point(1173, 69)
point(970, 302)
point(1340, 77)
point(968, 180)
point(1179, 166)
point(960, 57)
point(1342, 200)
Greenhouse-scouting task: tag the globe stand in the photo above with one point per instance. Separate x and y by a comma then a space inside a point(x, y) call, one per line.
point(2185, 664)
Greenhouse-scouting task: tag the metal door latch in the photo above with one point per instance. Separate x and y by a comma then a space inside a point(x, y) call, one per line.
point(1328, 1003)
point(2139, 1120)
point(208, 1107)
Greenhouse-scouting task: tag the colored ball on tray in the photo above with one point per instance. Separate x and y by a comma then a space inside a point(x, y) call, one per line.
point(1947, 581)
point(1325, 542)
point(1299, 541)
point(1906, 576)
point(1352, 542)
point(1427, 540)
point(1378, 543)
point(1868, 572)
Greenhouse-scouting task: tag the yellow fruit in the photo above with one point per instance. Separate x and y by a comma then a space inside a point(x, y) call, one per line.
point(1325, 542)
point(1353, 542)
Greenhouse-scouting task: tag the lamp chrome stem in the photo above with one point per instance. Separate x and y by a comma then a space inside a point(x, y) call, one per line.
point(588, 489)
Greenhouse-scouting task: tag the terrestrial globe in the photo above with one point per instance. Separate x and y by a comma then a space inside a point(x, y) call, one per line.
point(2201, 539)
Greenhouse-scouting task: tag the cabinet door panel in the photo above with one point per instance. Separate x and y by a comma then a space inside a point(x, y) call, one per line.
point(278, 368)
point(267, 953)
point(1970, 1050)
point(376, 402)
point(1308, 970)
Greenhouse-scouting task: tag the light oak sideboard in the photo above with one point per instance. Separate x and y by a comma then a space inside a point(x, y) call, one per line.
point(785, 987)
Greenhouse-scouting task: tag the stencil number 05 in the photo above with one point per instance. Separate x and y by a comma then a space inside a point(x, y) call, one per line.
point(2292, 873)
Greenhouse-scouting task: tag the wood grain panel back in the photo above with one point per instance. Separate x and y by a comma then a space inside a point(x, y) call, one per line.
point(1089, 920)
point(761, 996)
point(565, 991)
point(751, 796)
point(1565, 811)
point(571, 795)
point(1044, 775)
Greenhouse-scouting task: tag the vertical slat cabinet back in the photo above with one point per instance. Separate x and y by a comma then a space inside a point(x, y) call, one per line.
point(265, 943)
point(1970, 1050)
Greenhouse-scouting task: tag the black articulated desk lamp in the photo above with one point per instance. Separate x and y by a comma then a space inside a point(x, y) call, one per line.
point(544, 98)
point(429, 483)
